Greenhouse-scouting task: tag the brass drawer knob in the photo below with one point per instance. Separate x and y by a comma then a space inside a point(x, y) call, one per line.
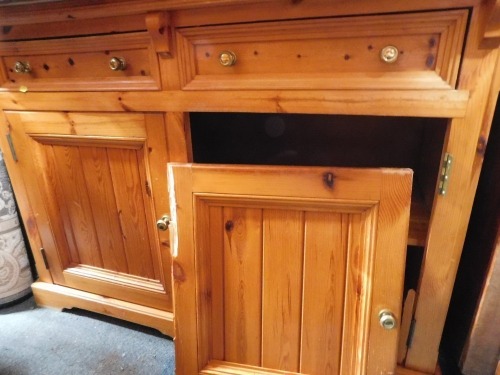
point(387, 319)
point(22, 67)
point(163, 222)
point(389, 54)
point(117, 63)
point(227, 58)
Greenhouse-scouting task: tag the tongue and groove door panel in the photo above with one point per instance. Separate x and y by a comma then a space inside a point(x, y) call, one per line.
point(287, 269)
point(95, 181)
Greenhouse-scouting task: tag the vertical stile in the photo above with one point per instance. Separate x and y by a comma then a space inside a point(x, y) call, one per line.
point(156, 157)
point(142, 160)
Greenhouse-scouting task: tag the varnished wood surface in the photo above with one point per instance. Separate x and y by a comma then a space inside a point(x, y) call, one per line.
point(221, 368)
point(468, 107)
point(434, 103)
point(491, 36)
point(350, 59)
point(451, 212)
point(96, 200)
point(82, 64)
point(271, 318)
point(56, 296)
point(199, 12)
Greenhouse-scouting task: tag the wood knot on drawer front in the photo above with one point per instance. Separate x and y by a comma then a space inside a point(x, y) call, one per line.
point(329, 179)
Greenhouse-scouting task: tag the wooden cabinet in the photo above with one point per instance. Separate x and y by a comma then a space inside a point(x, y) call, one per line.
point(287, 269)
point(191, 59)
point(95, 184)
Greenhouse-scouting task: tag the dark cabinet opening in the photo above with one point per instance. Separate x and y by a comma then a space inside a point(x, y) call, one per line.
point(329, 140)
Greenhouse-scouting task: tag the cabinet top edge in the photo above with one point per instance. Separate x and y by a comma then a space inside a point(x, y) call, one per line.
point(75, 10)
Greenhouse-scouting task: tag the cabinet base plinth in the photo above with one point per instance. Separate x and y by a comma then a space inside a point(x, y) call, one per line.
point(60, 297)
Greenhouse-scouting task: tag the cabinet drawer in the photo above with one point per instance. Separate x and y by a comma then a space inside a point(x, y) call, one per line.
point(422, 51)
point(79, 64)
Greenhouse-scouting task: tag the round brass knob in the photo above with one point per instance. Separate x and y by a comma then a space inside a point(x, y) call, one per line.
point(117, 63)
point(387, 319)
point(22, 67)
point(163, 222)
point(389, 54)
point(227, 58)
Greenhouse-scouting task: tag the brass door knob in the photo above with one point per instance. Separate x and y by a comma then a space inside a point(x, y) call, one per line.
point(163, 222)
point(22, 67)
point(227, 58)
point(389, 54)
point(117, 63)
point(387, 319)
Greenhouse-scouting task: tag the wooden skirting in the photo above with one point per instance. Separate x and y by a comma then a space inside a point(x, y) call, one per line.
point(59, 297)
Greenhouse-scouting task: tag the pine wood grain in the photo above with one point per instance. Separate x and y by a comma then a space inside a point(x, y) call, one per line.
point(100, 187)
point(75, 185)
point(297, 262)
point(183, 272)
point(393, 213)
point(131, 211)
point(25, 209)
point(76, 199)
point(282, 289)
point(217, 282)
point(350, 57)
point(443, 251)
point(210, 12)
point(432, 103)
point(82, 64)
point(243, 285)
point(323, 292)
point(56, 296)
point(155, 188)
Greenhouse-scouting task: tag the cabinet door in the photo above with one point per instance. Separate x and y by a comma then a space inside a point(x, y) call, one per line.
point(287, 269)
point(96, 183)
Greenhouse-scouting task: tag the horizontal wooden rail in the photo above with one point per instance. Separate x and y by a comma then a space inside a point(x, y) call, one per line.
point(425, 103)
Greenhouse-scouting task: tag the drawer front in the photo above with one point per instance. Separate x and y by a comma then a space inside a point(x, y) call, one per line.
point(401, 51)
point(79, 64)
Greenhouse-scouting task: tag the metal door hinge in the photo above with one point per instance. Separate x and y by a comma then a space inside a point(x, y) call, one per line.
point(409, 341)
point(44, 257)
point(444, 177)
point(11, 146)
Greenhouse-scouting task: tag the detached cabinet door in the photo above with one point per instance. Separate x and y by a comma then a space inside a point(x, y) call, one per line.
point(287, 270)
point(96, 183)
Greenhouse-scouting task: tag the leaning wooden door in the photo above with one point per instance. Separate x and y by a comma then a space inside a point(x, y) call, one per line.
point(96, 182)
point(287, 270)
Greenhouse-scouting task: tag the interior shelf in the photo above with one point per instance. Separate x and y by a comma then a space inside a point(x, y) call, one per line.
point(419, 222)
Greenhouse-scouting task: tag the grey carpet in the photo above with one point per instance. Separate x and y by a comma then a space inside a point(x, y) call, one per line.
point(40, 341)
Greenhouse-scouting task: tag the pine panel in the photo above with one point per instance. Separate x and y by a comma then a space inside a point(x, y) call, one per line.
point(323, 298)
point(130, 204)
point(282, 288)
point(243, 284)
point(77, 202)
point(100, 187)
